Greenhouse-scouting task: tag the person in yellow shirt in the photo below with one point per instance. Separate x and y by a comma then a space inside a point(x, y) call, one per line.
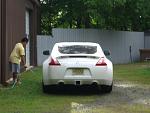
point(16, 57)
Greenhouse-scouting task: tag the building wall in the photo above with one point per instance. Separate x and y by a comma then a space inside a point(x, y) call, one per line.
point(118, 42)
point(0, 36)
point(13, 30)
point(33, 35)
point(3, 38)
point(15, 27)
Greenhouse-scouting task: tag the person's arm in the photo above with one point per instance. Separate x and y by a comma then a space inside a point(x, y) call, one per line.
point(22, 55)
point(23, 60)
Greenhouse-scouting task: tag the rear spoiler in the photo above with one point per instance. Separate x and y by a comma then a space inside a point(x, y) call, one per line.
point(78, 56)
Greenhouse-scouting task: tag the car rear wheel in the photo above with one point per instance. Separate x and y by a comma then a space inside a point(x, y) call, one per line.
point(45, 88)
point(106, 88)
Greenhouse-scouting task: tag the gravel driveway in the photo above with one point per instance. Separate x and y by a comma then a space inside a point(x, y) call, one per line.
point(123, 93)
point(126, 92)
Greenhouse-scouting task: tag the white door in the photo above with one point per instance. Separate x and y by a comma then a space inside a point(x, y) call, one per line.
point(27, 30)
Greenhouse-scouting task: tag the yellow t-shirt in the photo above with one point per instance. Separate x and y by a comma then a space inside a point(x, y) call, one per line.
point(16, 54)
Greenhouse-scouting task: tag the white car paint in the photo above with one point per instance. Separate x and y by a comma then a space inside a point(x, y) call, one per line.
point(64, 73)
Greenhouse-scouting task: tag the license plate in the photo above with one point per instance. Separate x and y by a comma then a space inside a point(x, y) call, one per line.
point(77, 71)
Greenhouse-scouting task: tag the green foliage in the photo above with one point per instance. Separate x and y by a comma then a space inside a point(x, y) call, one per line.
point(128, 15)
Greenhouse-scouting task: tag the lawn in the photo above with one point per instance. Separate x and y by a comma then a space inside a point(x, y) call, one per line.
point(29, 98)
point(138, 73)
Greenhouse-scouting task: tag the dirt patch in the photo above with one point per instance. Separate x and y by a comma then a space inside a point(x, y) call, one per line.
point(125, 92)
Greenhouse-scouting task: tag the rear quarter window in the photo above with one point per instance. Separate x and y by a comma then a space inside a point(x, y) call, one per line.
point(77, 49)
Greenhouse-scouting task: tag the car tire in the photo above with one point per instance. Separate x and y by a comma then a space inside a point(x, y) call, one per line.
point(106, 88)
point(45, 88)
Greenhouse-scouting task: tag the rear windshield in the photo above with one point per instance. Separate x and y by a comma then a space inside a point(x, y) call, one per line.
point(77, 49)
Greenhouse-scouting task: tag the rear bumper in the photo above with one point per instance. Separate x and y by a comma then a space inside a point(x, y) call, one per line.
point(77, 82)
point(57, 75)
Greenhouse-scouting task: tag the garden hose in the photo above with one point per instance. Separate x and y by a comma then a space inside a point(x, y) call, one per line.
point(29, 68)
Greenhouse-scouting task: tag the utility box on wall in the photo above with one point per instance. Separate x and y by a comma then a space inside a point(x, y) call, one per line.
point(144, 54)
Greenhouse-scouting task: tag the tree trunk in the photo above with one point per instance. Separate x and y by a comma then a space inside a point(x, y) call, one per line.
point(79, 22)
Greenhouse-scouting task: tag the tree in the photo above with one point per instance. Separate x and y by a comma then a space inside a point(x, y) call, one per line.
point(129, 15)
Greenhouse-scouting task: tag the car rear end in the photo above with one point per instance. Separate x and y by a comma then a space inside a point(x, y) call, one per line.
point(77, 64)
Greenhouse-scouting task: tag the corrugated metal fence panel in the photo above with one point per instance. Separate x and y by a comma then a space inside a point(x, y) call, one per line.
point(118, 42)
point(147, 41)
point(43, 43)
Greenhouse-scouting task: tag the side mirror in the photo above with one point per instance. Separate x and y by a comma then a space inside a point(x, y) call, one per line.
point(107, 52)
point(46, 52)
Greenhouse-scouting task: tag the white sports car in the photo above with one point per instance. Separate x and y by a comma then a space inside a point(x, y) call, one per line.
point(77, 63)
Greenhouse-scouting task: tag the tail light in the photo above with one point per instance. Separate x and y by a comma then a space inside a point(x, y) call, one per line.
point(101, 62)
point(54, 62)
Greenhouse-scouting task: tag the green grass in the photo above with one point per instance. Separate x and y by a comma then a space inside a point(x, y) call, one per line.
point(29, 98)
point(138, 73)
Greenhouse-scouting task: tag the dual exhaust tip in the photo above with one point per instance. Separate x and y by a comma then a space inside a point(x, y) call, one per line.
point(94, 83)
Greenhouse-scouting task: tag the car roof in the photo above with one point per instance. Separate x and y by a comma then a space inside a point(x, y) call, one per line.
point(77, 43)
